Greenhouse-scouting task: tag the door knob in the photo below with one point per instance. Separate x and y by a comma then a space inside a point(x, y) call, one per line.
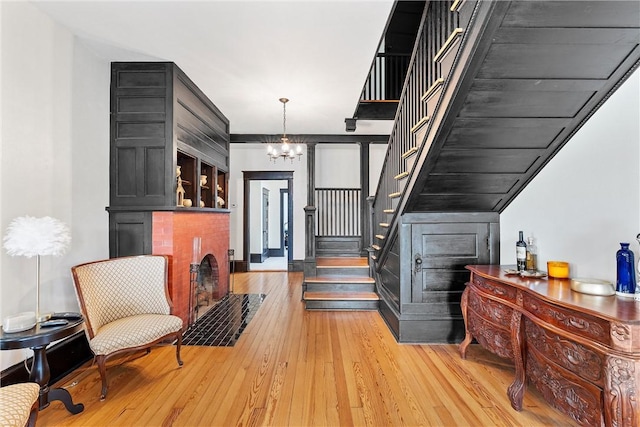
point(417, 263)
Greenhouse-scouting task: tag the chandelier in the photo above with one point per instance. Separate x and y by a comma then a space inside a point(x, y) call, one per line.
point(286, 151)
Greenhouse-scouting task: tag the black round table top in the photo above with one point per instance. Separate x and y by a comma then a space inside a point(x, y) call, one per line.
point(38, 336)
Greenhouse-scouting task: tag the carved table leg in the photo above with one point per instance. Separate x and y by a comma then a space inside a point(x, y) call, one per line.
point(464, 302)
point(516, 389)
point(620, 391)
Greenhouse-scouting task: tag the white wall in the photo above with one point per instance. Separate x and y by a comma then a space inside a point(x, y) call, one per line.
point(587, 199)
point(54, 154)
point(377, 153)
point(253, 157)
point(337, 166)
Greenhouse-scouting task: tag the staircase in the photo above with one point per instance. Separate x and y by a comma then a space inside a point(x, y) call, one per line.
point(341, 283)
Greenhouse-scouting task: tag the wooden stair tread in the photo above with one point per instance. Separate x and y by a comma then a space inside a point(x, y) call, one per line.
point(341, 296)
point(339, 279)
point(342, 262)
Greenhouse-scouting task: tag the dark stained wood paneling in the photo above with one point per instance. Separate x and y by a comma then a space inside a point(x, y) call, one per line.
point(485, 137)
point(129, 233)
point(140, 78)
point(536, 75)
point(486, 161)
point(548, 35)
point(555, 61)
point(578, 14)
point(458, 202)
point(138, 104)
point(470, 183)
point(151, 104)
point(524, 104)
point(125, 182)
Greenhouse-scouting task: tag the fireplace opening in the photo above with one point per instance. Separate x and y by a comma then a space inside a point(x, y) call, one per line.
point(205, 286)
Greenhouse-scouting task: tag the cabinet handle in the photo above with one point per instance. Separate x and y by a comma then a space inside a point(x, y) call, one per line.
point(578, 323)
point(417, 263)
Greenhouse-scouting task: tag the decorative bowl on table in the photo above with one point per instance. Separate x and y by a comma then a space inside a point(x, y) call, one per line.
point(593, 286)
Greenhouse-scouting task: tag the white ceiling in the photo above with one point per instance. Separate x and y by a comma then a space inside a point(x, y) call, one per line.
point(245, 55)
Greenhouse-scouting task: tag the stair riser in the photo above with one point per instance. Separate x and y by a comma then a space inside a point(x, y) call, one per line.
point(340, 287)
point(342, 271)
point(341, 305)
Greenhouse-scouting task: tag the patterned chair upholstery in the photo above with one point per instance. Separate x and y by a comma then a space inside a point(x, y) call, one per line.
point(126, 306)
point(19, 404)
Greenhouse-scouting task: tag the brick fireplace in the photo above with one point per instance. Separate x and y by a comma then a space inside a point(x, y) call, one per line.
point(173, 233)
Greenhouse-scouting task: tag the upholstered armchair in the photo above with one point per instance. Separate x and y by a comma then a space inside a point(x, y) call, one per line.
point(19, 404)
point(126, 305)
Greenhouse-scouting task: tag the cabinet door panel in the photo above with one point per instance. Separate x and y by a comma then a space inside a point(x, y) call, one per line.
point(440, 252)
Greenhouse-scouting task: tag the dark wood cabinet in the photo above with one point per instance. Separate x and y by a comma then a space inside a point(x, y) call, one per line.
point(422, 278)
point(161, 123)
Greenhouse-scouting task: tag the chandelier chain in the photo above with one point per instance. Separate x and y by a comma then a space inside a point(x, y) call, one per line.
point(284, 119)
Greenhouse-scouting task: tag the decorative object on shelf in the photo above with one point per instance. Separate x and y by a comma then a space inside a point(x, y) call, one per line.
point(187, 203)
point(625, 272)
point(521, 252)
point(532, 255)
point(30, 236)
point(179, 188)
point(637, 294)
point(202, 203)
point(220, 200)
point(203, 180)
point(558, 269)
point(593, 287)
point(286, 151)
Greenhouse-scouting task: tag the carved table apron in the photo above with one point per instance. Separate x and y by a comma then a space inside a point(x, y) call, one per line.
point(582, 352)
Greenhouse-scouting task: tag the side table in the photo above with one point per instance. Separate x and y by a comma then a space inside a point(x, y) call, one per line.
point(37, 339)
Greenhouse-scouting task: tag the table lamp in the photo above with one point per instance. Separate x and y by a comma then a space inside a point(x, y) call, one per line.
point(29, 236)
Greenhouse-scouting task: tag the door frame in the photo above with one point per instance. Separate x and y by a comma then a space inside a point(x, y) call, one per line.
point(249, 176)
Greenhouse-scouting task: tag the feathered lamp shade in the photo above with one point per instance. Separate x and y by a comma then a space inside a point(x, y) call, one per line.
point(29, 236)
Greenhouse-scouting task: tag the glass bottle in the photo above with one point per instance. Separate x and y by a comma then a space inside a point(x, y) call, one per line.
point(625, 271)
point(521, 253)
point(637, 294)
point(532, 256)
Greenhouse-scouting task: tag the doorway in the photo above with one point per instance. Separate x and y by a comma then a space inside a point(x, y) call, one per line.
point(268, 220)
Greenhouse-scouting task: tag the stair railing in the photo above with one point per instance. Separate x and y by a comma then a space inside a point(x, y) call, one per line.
point(386, 76)
point(338, 212)
point(437, 24)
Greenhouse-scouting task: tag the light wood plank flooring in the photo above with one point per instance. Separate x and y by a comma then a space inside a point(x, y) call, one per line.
point(293, 367)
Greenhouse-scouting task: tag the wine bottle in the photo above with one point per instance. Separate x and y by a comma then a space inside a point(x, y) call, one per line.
point(532, 255)
point(521, 252)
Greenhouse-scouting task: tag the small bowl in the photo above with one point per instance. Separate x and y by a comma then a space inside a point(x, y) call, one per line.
point(593, 286)
point(558, 269)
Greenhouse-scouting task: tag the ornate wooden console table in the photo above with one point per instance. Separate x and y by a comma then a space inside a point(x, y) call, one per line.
point(582, 352)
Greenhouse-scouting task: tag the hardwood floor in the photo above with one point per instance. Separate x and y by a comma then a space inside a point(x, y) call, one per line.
point(293, 367)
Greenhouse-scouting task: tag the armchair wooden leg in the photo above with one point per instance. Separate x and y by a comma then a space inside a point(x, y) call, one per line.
point(178, 345)
point(33, 415)
point(101, 360)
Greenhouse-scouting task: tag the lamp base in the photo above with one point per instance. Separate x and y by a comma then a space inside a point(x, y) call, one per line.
point(44, 317)
point(19, 322)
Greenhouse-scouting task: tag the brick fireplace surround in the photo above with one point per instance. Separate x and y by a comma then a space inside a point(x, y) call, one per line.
point(173, 233)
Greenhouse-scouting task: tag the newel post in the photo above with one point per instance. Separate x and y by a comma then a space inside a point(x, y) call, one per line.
point(310, 214)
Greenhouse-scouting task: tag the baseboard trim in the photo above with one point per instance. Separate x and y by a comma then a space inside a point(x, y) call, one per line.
point(64, 357)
